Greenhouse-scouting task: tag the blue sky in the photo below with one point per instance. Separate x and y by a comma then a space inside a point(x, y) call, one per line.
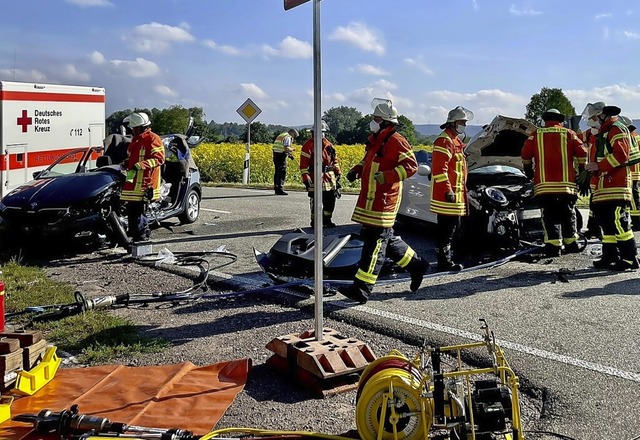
point(427, 56)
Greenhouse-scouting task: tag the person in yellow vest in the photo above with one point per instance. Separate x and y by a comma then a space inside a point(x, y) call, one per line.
point(282, 148)
point(388, 160)
point(145, 156)
point(449, 185)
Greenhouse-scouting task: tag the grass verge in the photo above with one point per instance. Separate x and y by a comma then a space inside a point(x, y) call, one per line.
point(95, 337)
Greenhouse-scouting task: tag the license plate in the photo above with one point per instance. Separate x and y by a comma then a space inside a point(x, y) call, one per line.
point(529, 214)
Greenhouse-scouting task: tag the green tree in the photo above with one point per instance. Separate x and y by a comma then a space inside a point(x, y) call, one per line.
point(171, 120)
point(260, 133)
point(407, 129)
point(341, 119)
point(546, 99)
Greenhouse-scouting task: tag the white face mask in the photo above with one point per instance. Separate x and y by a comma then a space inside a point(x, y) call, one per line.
point(374, 126)
point(460, 129)
point(593, 123)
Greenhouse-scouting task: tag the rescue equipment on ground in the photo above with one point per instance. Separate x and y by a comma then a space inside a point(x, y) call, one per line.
point(399, 398)
point(28, 382)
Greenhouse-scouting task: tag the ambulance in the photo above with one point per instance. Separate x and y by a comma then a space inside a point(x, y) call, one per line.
point(41, 122)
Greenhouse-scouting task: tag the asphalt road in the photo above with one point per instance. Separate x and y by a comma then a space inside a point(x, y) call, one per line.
point(570, 332)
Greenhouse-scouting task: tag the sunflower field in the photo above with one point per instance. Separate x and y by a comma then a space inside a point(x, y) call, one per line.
point(223, 163)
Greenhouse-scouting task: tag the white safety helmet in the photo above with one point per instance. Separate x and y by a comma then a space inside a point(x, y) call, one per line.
point(384, 109)
point(138, 120)
point(324, 126)
point(127, 120)
point(592, 110)
point(458, 114)
point(293, 132)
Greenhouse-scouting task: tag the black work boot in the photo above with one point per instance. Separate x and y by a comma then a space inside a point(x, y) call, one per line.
point(572, 248)
point(609, 257)
point(327, 223)
point(356, 292)
point(445, 264)
point(552, 251)
point(628, 259)
point(417, 268)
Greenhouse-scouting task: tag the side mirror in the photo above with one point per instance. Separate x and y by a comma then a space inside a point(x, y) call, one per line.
point(37, 174)
point(424, 170)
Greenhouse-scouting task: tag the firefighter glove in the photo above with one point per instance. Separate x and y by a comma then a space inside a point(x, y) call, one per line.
point(352, 175)
point(450, 196)
point(582, 180)
point(379, 177)
point(130, 175)
point(338, 193)
point(148, 194)
point(308, 186)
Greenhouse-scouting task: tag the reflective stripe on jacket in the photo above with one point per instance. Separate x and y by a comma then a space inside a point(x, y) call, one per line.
point(449, 173)
point(388, 152)
point(329, 159)
point(279, 144)
point(145, 156)
point(635, 169)
point(611, 150)
point(556, 151)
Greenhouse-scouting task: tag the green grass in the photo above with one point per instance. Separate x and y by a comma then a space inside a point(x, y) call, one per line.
point(95, 337)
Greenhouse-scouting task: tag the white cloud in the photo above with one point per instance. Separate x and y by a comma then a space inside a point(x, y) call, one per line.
point(90, 3)
point(623, 95)
point(96, 57)
point(157, 37)
point(140, 68)
point(632, 35)
point(384, 84)
point(604, 15)
point(253, 91)
point(290, 47)
point(418, 64)
point(515, 11)
point(368, 69)
point(71, 73)
point(165, 91)
point(32, 75)
point(228, 50)
point(359, 35)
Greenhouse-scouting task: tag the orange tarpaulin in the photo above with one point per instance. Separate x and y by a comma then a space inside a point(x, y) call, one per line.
point(170, 396)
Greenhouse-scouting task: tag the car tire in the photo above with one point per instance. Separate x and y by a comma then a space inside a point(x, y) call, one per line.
point(118, 232)
point(191, 207)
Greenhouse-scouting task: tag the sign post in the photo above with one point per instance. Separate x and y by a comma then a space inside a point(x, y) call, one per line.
point(248, 111)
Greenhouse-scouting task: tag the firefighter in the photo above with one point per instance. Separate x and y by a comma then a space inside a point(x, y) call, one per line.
point(612, 195)
point(550, 156)
point(388, 160)
point(330, 176)
point(282, 149)
point(144, 159)
point(635, 177)
point(449, 184)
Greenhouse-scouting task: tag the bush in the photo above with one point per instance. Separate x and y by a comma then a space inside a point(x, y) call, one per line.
point(224, 163)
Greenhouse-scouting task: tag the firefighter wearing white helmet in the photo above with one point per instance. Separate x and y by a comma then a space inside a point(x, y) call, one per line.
point(612, 195)
point(330, 176)
point(145, 155)
point(449, 184)
point(388, 160)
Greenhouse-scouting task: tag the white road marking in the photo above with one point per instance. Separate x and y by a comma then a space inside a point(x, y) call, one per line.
point(215, 210)
point(611, 371)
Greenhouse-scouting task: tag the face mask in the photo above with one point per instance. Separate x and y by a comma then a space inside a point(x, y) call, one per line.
point(374, 126)
point(593, 123)
point(460, 129)
point(594, 131)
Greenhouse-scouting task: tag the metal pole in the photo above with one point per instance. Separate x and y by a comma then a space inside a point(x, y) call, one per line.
point(317, 171)
point(245, 169)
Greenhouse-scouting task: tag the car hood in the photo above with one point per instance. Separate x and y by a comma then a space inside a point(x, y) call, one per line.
point(499, 143)
point(59, 192)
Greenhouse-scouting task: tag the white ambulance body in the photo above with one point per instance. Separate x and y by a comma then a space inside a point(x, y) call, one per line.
point(40, 122)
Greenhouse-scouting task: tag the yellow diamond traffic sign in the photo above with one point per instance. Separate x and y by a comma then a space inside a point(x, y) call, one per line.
point(249, 110)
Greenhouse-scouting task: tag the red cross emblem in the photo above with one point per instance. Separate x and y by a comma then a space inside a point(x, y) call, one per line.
point(25, 121)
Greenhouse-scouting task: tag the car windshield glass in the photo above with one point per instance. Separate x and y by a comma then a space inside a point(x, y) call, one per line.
point(423, 157)
point(75, 161)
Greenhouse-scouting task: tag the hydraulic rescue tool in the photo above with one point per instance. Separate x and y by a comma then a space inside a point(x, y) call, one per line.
point(402, 399)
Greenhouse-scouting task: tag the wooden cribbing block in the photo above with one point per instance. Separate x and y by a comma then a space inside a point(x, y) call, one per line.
point(9, 345)
point(11, 361)
point(32, 354)
point(26, 337)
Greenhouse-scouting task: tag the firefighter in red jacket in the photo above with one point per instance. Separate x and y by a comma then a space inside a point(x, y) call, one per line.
point(388, 160)
point(550, 156)
point(635, 180)
point(588, 138)
point(449, 184)
point(330, 176)
point(612, 195)
point(145, 155)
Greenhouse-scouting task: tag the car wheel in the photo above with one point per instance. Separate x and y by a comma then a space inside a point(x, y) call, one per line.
point(119, 235)
point(192, 208)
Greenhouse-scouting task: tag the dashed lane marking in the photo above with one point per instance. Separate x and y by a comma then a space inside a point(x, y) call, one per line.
point(215, 210)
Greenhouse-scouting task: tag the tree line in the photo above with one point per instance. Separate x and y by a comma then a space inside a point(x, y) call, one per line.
point(347, 125)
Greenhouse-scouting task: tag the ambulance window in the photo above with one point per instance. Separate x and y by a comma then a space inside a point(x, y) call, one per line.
point(20, 157)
